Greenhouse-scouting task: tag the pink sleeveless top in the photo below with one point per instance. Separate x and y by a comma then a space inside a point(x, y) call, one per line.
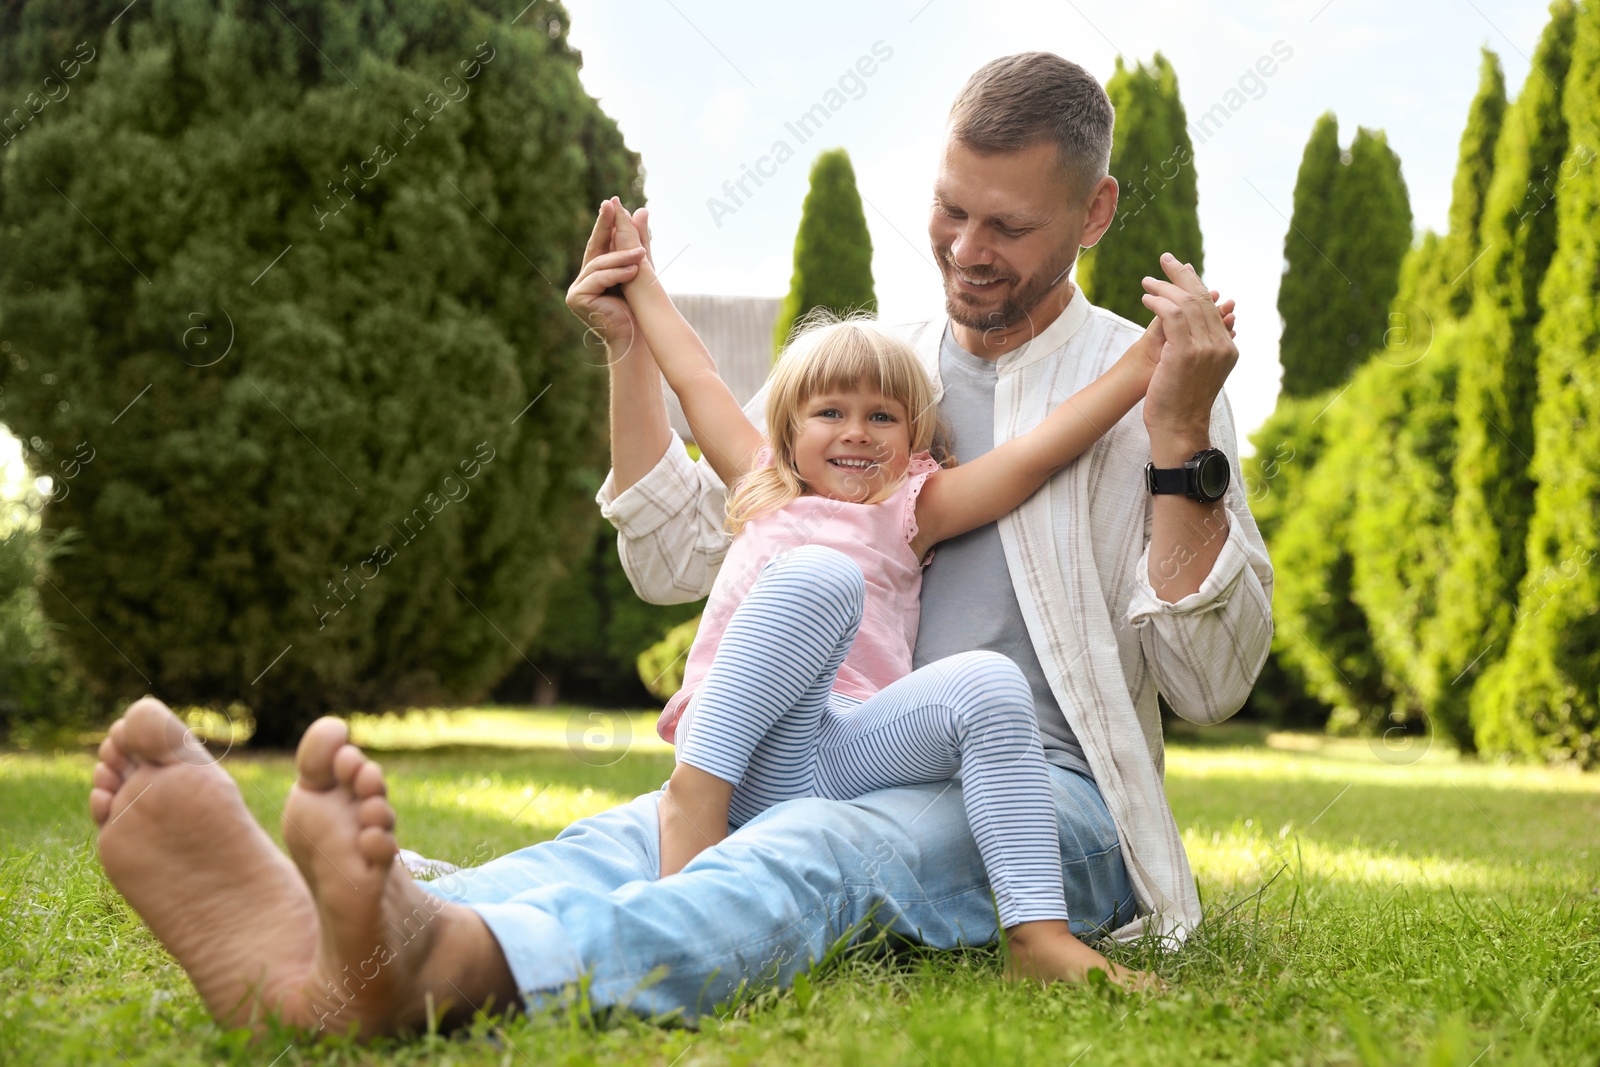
point(877, 536)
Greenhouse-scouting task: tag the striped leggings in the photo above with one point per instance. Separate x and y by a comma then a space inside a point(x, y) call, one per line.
point(766, 719)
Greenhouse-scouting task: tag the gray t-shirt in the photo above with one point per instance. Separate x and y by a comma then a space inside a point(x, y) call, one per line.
point(967, 599)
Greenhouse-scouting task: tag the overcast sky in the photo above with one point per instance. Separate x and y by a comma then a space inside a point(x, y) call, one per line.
point(703, 89)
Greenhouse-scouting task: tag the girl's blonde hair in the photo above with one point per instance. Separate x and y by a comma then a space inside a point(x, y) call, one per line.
point(830, 354)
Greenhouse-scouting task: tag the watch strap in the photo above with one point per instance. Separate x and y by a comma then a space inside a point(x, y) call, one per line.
point(1167, 480)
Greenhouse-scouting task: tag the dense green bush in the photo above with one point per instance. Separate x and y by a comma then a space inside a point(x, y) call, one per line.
point(1343, 252)
point(1496, 392)
point(1286, 447)
point(1400, 528)
point(832, 250)
point(1152, 159)
point(40, 694)
point(595, 629)
point(295, 275)
point(1543, 699)
point(661, 665)
point(1321, 634)
point(1398, 467)
point(1382, 493)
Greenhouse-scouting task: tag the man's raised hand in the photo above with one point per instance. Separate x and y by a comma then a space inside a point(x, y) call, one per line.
point(591, 296)
point(1197, 356)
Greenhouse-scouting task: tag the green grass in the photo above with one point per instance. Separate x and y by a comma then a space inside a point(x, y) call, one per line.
point(1361, 911)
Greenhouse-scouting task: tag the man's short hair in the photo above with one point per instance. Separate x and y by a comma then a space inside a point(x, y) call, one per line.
point(1017, 101)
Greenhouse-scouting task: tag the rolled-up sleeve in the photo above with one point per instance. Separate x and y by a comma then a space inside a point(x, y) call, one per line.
point(670, 533)
point(1207, 649)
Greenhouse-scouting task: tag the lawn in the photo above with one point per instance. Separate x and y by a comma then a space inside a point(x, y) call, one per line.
point(1364, 906)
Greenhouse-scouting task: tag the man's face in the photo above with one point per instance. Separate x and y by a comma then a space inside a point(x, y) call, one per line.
point(1005, 230)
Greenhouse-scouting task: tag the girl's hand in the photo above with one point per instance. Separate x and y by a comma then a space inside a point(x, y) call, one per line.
point(593, 295)
point(628, 232)
point(1226, 307)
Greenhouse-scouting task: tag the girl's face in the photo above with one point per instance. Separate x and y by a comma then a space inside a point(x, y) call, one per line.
point(851, 445)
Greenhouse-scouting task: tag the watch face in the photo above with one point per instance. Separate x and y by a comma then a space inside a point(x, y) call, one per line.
point(1214, 476)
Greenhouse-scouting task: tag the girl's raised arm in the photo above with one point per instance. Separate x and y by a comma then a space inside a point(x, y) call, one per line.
point(974, 494)
point(726, 436)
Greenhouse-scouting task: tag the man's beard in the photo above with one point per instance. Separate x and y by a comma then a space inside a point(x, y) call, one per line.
point(1014, 308)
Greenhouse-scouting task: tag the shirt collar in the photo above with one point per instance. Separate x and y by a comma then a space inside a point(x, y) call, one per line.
point(1052, 337)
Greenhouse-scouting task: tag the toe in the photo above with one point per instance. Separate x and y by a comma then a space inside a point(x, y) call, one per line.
point(315, 758)
point(100, 805)
point(347, 763)
point(112, 756)
point(152, 734)
point(377, 846)
point(377, 812)
point(106, 779)
point(368, 780)
point(117, 739)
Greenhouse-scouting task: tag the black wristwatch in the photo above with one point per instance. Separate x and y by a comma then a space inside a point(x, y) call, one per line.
point(1204, 478)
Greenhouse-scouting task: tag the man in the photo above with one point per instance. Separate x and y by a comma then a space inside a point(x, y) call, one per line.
point(1103, 592)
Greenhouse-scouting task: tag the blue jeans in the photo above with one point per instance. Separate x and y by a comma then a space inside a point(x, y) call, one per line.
point(771, 899)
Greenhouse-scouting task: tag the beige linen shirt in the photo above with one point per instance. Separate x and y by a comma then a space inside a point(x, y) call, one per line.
point(1078, 553)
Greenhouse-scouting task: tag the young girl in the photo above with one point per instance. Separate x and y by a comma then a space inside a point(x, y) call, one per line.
point(799, 682)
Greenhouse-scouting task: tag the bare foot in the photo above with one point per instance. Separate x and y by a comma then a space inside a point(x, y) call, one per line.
point(389, 954)
point(179, 844)
point(1047, 951)
point(693, 815)
point(359, 947)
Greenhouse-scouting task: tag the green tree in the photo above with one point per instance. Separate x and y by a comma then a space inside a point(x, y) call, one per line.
point(1152, 159)
point(1350, 231)
point(1400, 527)
point(1372, 235)
point(1312, 349)
point(1347, 487)
point(1396, 466)
point(1474, 169)
point(1285, 447)
point(832, 250)
point(1343, 257)
point(1496, 391)
point(365, 499)
point(1543, 699)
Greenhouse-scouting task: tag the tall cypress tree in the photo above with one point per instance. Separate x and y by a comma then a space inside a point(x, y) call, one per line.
point(1543, 699)
point(1152, 159)
point(832, 251)
point(1350, 231)
point(1312, 349)
point(1496, 391)
point(1401, 526)
point(1474, 169)
point(1344, 535)
point(379, 207)
point(1372, 234)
